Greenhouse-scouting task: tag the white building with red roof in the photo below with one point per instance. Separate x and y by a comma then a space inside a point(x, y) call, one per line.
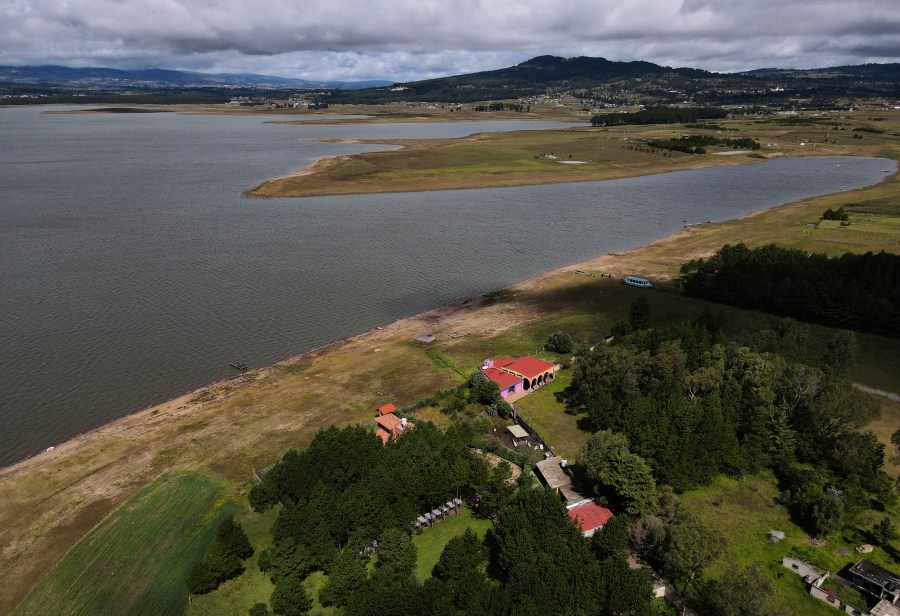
point(517, 378)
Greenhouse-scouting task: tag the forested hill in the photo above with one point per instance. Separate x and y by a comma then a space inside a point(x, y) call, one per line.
point(640, 82)
point(552, 70)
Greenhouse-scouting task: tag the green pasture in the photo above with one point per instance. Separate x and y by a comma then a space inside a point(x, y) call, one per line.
point(432, 541)
point(548, 416)
point(743, 511)
point(235, 597)
point(136, 560)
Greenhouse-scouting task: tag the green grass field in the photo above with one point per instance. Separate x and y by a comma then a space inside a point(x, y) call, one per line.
point(547, 415)
point(744, 511)
point(313, 584)
point(136, 560)
point(432, 541)
point(237, 596)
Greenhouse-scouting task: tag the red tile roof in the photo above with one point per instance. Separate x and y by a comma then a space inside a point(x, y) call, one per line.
point(383, 435)
point(389, 422)
point(387, 408)
point(590, 516)
point(529, 366)
point(503, 362)
point(501, 378)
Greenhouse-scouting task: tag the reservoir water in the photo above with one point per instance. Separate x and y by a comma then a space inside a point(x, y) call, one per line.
point(132, 269)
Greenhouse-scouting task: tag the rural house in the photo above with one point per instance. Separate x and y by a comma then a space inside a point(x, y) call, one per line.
point(389, 426)
point(552, 473)
point(517, 378)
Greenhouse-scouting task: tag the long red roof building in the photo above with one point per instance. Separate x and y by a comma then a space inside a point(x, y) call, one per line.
point(518, 377)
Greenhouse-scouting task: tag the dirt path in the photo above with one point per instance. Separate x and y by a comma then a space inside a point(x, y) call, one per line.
point(878, 392)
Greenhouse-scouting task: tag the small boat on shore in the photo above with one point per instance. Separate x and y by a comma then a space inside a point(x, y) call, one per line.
point(239, 365)
point(634, 281)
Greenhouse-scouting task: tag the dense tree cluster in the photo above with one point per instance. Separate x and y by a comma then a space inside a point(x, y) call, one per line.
point(692, 406)
point(617, 474)
point(350, 503)
point(696, 144)
point(838, 214)
point(856, 291)
point(223, 558)
point(518, 107)
point(660, 115)
point(346, 487)
point(534, 561)
point(347, 495)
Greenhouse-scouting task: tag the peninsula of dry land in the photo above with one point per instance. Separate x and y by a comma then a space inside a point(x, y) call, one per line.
point(222, 432)
point(577, 154)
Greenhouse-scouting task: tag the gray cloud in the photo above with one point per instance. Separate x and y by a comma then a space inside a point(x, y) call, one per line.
point(412, 39)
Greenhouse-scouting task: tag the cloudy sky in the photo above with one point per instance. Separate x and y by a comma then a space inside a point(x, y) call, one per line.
point(403, 40)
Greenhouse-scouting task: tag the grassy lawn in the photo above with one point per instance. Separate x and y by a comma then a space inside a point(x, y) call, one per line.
point(548, 416)
point(313, 584)
point(137, 559)
point(434, 414)
point(253, 586)
point(744, 511)
point(431, 542)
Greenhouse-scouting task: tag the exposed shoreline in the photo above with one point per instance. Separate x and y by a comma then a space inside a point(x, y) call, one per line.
point(444, 311)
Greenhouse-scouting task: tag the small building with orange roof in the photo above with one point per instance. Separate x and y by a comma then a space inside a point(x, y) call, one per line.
point(389, 426)
point(383, 434)
point(387, 408)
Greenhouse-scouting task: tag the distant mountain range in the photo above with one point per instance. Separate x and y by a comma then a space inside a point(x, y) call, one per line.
point(604, 80)
point(154, 78)
point(596, 81)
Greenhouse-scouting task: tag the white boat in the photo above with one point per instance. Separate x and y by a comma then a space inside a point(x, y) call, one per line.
point(634, 281)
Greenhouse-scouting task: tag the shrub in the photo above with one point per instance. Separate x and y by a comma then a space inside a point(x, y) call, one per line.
point(560, 342)
point(259, 609)
point(262, 496)
point(838, 214)
point(222, 560)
